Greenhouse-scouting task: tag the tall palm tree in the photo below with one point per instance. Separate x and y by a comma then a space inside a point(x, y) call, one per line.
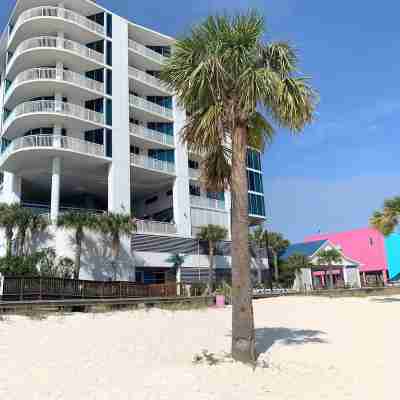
point(297, 262)
point(115, 225)
point(329, 257)
point(387, 220)
point(9, 222)
point(212, 234)
point(278, 244)
point(77, 222)
point(224, 75)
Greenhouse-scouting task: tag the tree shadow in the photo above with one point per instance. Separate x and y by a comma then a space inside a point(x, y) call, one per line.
point(386, 300)
point(267, 337)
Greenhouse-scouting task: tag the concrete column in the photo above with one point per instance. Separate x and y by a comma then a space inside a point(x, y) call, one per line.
point(364, 279)
point(60, 36)
point(345, 278)
point(384, 277)
point(55, 188)
point(12, 188)
point(60, 69)
point(57, 133)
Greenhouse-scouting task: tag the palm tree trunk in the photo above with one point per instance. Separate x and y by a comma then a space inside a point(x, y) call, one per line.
point(21, 244)
point(243, 337)
point(9, 235)
point(276, 270)
point(114, 254)
point(331, 276)
point(211, 266)
point(78, 252)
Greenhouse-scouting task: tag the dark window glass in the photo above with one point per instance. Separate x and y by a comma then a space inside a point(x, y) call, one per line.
point(109, 53)
point(97, 75)
point(216, 195)
point(109, 82)
point(108, 112)
point(163, 50)
point(164, 127)
point(253, 159)
point(162, 155)
point(97, 46)
point(151, 200)
point(134, 150)
point(108, 142)
point(109, 25)
point(193, 164)
point(255, 181)
point(163, 101)
point(95, 105)
point(169, 193)
point(95, 136)
point(256, 204)
point(156, 74)
point(194, 190)
point(99, 18)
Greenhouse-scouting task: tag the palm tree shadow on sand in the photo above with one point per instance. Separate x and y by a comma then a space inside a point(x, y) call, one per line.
point(267, 337)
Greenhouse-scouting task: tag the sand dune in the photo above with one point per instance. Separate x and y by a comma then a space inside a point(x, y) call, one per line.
point(311, 348)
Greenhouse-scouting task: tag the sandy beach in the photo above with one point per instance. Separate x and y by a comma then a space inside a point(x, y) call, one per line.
point(312, 348)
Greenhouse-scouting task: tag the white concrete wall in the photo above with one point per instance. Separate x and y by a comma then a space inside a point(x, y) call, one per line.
point(164, 202)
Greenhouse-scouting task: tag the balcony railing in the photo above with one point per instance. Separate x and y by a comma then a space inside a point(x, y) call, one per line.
point(36, 74)
point(142, 131)
point(205, 202)
point(194, 173)
point(160, 228)
point(53, 106)
point(59, 12)
point(152, 163)
point(144, 51)
point(148, 79)
point(60, 43)
point(52, 141)
point(149, 106)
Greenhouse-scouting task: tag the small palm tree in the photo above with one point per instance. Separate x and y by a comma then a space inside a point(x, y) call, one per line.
point(24, 220)
point(330, 257)
point(115, 225)
point(223, 75)
point(387, 220)
point(177, 260)
point(77, 222)
point(212, 234)
point(297, 262)
point(9, 222)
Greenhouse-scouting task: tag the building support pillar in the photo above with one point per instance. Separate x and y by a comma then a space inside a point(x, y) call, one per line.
point(12, 188)
point(384, 277)
point(55, 188)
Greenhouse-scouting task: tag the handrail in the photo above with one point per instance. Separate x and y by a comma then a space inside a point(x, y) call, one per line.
point(43, 73)
point(206, 202)
point(147, 226)
point(53, 141)
point(54, 106)
point(145, 51)
point(149, 106)
point(142, 131)
point(59, 12)
point(147, 78)
point(58, 42)
point(152, 163)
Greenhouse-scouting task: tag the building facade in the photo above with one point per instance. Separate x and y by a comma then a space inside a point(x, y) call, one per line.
point(87, 124)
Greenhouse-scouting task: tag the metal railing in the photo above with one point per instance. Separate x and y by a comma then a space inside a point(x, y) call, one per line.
point(152, 163)
point(206, 202)
point(35, 74)
point(194, 173)
point(53, 106)
point(142, 131)
point(149, 106)
point(58, 43)
point(148, 79)
point(144, 51)
point(60, 142)
point(162, 228)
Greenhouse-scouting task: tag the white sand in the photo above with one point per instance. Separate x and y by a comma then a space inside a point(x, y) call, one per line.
point(316, 349)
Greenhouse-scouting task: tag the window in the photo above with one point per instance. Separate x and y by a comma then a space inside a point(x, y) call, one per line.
point(108, 142)
point(95, 105)
point(134, 121)
point(135, 150)
point(193, 164)
point(253, 159)
point(96, 74)
point(164, 127)
point(216, 195)
point(98, 18)
point(151, 200)
point(255, 181)
point(109, 25)
point(109, 112)
point(97, 46)
point(43, 131)
point(194, 190)
point(256, 204)
point(169, 193)
point(371, 241)
point(163, 50)
point(109, 53)
point(95, 136)
point(156, 74)
point(162, 155)
point(109, 82)
point(163, 101)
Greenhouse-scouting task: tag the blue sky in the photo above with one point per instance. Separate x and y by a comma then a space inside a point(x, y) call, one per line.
point(341, 168)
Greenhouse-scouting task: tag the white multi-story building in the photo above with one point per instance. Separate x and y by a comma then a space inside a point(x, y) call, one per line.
point(87, 124)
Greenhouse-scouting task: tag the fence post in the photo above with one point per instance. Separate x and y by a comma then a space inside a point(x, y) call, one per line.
point(21, 294)
point(40, 288)
point(120, 289)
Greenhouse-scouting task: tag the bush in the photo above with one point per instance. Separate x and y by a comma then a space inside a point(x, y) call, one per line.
point(19, 265)
point(198, 289)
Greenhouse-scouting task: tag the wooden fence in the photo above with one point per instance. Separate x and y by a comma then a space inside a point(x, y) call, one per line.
point(55, 288)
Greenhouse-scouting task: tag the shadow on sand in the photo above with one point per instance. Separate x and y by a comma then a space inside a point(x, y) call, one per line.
point(386, 300)
point(266, 337)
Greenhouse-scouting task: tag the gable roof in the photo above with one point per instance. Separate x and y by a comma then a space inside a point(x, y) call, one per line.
point(306, 249)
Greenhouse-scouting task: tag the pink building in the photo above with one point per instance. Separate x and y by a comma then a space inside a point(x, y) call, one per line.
point(366, 245)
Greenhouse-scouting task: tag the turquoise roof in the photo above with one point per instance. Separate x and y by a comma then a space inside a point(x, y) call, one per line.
point(306, 249)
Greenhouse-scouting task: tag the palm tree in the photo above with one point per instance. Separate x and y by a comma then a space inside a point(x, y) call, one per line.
point(24, 221)
point(177, 261)
point(212, 234)
point(38, 225)
point(115, 225)
point(297, 262)
point(77, 222)
point(387, 220)
point(277, 244)
point(329, 257)
point(9, 222)
point(224, 75)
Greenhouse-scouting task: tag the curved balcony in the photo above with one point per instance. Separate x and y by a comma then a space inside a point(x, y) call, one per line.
point(205, 202)
point(21, 151)
point(35, 113)
point(150, 56)
point(49, 50)
point(53, 19)
point(47, 80)
point(149, 109)
point(142, 132)
point(152, 164)
point(149, 83)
